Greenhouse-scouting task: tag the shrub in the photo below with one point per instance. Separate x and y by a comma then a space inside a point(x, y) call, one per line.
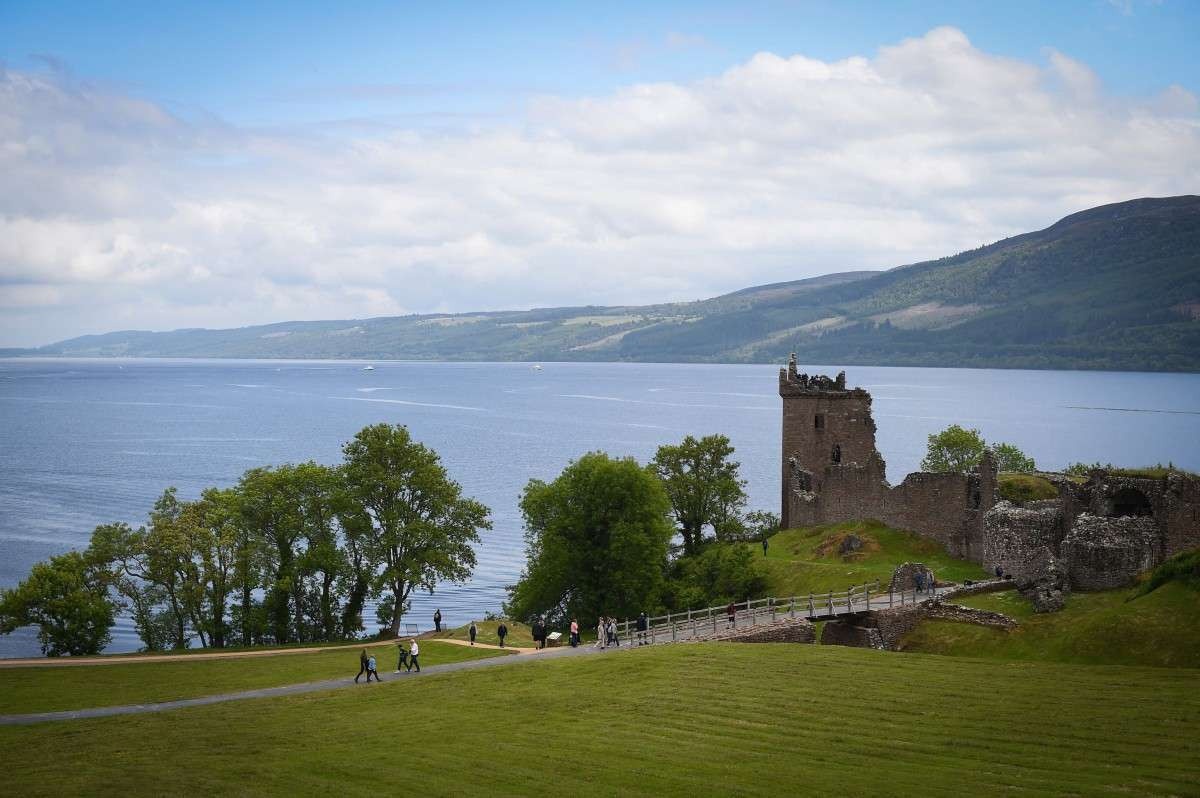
point(1021, 488)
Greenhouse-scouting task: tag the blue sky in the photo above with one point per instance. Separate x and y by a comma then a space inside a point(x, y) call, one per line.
point(221, 164)
point(449, 62)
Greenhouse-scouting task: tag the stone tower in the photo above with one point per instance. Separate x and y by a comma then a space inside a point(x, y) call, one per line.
point(824, 425)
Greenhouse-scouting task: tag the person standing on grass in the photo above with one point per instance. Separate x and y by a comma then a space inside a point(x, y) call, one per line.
point(765, 544)
point(437, 620)
point(471, 632)
point(574, 633)
point(371, 669)
point(502, 632)
point(362, 666)
point(413, 651)
point(403, 660)
point(643, 623)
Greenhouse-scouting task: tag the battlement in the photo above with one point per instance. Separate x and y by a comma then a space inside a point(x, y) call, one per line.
point(791, 383)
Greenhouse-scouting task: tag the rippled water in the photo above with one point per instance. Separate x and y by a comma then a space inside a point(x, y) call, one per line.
point(85, 442)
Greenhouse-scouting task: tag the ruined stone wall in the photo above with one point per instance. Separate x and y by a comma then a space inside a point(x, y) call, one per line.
point(1105, 553)
point(1179, 514)
point(936, 506)
point(790, 631)
point(1017, 538)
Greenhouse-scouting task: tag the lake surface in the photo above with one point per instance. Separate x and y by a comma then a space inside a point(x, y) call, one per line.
point(86, 442)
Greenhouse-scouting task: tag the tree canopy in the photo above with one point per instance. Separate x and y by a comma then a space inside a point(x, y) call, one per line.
point(67, 598)
point(596, 541)
point(704, 487)
point(959, 450)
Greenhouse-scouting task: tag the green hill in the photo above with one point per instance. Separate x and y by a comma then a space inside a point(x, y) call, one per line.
point(1115, 287)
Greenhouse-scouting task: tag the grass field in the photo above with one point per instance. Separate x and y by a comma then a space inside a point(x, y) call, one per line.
point(45, 689)
point(800, 561)
point(1159, 628)
point(519, 634)
point(676, 720)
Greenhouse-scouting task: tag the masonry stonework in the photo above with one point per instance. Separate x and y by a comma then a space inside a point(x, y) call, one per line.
point(832, 472)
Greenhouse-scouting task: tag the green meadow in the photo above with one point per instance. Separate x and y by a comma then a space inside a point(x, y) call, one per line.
point(46, 688)
point(674, 720)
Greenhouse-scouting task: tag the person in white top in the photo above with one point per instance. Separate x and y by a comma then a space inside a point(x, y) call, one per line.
point(413, 651)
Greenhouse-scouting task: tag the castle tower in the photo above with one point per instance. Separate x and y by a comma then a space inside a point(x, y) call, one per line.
point(824, 424)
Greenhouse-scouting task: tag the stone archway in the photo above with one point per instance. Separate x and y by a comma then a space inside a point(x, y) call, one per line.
point(1131, 502)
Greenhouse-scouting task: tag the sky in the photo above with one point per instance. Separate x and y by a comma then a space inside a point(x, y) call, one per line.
point(221, 164)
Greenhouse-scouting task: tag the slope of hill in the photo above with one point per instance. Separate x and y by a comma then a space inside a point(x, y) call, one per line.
point(1114, 287)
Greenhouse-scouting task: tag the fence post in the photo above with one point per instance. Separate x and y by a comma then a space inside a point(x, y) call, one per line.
point(673, 637)
point(812, 609)
point(868, 598)
point(831, 602)
point(890, 596)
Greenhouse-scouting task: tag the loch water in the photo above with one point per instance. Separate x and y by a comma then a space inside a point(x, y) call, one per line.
point(87, 442)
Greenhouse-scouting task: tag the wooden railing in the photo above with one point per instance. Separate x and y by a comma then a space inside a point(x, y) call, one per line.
point(714, 621)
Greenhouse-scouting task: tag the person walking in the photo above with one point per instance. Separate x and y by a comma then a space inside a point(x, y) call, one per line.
point(413, 651)
point(731, 614)
point(920, 581)
point(437, 620)
point(371, 669)
point(502, 632)
point(643, 623)
point(403, 660)
point(601, 633)
point(574, 633)
point(472, 632)
point(362, 666)
point(765, 544)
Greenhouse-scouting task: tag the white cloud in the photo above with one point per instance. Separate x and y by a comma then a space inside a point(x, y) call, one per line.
point(115, 214)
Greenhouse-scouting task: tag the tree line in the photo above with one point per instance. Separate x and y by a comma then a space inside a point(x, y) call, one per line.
point(287, 555)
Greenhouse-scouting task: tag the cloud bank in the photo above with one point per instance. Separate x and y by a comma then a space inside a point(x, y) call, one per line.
point(116, 214)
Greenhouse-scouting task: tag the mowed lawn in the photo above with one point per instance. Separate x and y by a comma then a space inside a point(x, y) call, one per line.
point(702, 719)
point(49, 688)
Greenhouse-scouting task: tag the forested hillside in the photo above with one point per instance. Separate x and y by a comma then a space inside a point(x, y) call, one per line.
point(1115, 287)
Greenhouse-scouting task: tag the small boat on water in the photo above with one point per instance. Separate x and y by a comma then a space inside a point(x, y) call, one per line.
point(368, 368)
point(537, 367)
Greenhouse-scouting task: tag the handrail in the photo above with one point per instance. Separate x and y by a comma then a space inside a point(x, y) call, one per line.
point(707, 621)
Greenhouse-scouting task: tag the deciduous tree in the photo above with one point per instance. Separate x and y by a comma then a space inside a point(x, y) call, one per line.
point(704, 487)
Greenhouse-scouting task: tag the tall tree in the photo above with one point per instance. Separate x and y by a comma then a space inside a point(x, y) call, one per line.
point(122, 549)
point(160, 556)
point(703, 485)
point(321, 497)
point(596, 541)
point(421, 529)
point(270, 507)
point(67, 598)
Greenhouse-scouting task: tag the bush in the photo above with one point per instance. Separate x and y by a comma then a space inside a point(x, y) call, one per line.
point(1021, 488)
point(718, 574)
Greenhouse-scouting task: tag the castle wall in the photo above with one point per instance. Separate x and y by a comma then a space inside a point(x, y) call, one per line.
point(832, 472)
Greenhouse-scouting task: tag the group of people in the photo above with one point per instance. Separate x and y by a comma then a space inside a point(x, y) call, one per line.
point(926, 581)
point(408, 660)
point(606, 632)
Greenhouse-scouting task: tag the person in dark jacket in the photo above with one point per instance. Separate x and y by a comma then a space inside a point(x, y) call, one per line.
point(402, 662)
point(643, 623)
point(502, 632)
point(437, 620)
point(731, 613)
point(362, 666)
point(472, 632)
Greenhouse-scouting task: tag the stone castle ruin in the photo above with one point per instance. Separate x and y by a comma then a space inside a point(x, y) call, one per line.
point(1100, 534)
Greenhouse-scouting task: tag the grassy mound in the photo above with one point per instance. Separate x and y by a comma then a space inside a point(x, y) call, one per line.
point(662, 721)
point(1183, 567)
point(519, 635)
point(800, 561)
point(1021, 488)
point(50, 688)
point(1095, 628)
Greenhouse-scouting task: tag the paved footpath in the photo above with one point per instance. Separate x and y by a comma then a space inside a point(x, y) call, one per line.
point(296, 689)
